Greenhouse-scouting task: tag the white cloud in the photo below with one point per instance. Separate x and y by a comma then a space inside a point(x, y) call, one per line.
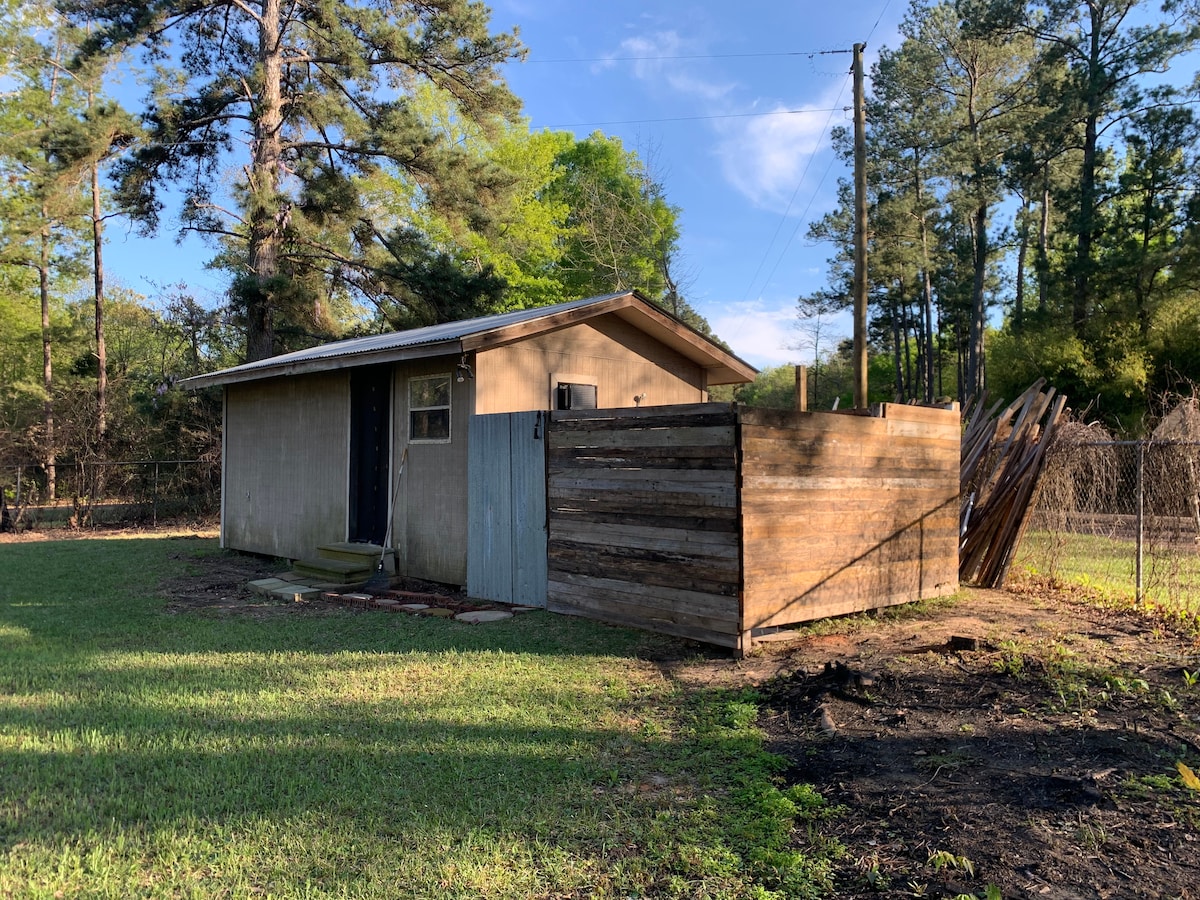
point(761, 335)
point(680, 75)
point(766, 158)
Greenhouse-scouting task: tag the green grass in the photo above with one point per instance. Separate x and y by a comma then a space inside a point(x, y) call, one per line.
point(1171, 575)
point(145, 752)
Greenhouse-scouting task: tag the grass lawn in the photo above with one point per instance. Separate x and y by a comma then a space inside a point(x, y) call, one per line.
point(1171, 574)
point(146, 752)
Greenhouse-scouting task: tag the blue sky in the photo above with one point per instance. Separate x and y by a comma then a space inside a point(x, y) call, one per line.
point(686, 86)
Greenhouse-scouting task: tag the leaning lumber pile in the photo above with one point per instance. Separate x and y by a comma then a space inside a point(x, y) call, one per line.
point(1002, 457)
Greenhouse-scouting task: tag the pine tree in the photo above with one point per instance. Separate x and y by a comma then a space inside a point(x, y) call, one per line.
point(312, 99)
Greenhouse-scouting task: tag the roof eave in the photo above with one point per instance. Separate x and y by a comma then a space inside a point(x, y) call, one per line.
point(326, 364)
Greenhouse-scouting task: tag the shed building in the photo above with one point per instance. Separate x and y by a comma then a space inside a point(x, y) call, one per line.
point(327, 445)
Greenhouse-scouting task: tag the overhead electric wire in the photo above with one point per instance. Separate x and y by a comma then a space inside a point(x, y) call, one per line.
point(777, 112)
point(803, 218)
point(595, 59)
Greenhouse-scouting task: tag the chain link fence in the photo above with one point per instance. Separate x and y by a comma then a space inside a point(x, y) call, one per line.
point(1122, 517)
point(90, 494)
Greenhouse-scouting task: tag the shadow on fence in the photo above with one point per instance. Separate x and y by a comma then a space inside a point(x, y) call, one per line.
point(91, 494)
point(1123, 517)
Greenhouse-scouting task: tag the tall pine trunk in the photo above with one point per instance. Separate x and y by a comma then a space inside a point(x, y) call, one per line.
point(265, 225)
point(975, 349)
point(49, 457)
point(98, 286)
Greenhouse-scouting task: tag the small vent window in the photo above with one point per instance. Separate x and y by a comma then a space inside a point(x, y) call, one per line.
point(571, 395)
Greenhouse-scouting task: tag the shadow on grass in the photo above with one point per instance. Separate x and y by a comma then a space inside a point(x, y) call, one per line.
point(106, 594)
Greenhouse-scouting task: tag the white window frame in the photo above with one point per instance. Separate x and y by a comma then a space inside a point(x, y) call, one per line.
point(447, 406)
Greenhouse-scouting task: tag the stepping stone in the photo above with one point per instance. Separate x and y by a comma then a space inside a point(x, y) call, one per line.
point(266, 586)
point(414, 607)
point(475, 617)
point(384, 603)
point(296, 593)
point(439, 613)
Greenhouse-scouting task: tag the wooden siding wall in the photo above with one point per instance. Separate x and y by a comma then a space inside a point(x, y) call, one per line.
point(843, 513)
point(286, 477)
point(624, 361)
point(643, 519)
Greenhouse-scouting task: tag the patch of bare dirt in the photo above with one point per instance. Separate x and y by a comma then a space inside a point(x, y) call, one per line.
point(1018, 740)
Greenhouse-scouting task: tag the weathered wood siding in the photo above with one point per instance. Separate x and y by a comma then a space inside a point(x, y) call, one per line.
point(286, 478)
point(623, 361)
point(843, 513)
point(643, 519)
point(506, 506)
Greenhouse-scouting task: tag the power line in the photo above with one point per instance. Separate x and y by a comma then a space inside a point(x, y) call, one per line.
point(778, 112)
point(795, 193)
point(596, 59)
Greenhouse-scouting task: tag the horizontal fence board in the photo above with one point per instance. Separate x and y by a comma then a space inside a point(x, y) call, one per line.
point(635, 620)
point(709, 492)
point(718, 458)
point(637, 614)
point(661, 603)
point(864, 482)
point(767, 500)
point(655, 517)
point(777, 534)
point(670, 573)
point(934, 415)
point(630, 440)
point(816, 440)
point(683, 480)
point(687, 412)
point(758, 451)
point(713, 503)
point(674, 540)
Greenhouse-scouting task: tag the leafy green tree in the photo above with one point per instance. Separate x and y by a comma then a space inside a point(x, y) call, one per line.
point(1106, 53)
point(318, 96)
point(40, 211)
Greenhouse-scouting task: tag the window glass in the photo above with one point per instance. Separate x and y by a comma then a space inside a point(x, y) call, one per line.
point(429, 408)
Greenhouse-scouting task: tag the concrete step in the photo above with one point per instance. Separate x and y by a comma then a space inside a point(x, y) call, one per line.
point(364, 554)
point(335, 571)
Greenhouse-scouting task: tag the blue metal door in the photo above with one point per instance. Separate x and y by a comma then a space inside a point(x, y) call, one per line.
point(506, 508)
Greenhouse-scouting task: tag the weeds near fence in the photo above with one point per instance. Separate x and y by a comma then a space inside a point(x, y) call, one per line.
point(127, 493)
point(1121, 517)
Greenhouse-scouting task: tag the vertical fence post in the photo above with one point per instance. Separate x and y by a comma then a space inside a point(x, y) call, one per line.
point(1139, 591)
point(154, 501)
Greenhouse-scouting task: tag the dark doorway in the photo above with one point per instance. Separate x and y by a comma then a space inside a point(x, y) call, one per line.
point(370, 421)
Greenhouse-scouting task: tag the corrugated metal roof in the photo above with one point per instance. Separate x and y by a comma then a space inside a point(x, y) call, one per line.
point(436, 339)
point(415, 337)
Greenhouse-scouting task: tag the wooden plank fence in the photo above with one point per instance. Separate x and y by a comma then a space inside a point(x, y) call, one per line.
point(713, 521)
point(643, 519)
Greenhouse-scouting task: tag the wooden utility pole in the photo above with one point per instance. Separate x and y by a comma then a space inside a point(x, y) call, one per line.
point(860, 233)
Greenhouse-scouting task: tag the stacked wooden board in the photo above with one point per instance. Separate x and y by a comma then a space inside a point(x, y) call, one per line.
point(1002, 458)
